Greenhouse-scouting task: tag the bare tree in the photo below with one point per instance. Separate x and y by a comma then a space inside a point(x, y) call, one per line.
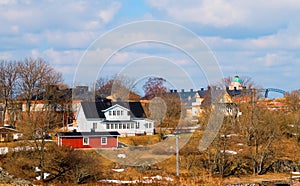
point(154, 87)
point(118, 87)
point(293, 100)
point(8, 79)
point(37, 85)
point(261, 128)
point(35, 75)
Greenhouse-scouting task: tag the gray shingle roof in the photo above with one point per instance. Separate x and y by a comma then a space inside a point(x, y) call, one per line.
point(94, 109)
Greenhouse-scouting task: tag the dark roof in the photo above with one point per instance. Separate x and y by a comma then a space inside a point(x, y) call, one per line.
point(90, 134)
point(187, 95)
point(94, 109)
point(7, 130)
point(233, 93)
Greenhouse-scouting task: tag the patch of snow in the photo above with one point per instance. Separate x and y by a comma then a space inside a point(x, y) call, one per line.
point(121, 156)
point(45, 176)
point(157, 177)
point(229, 152)
point(147, 180)
point(295, 172)
point(169, 179)
point(3, 150)
point(228, 135)
point(37, 169)
point(118, 170)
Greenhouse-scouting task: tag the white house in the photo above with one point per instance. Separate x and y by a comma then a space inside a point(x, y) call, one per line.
point(126, 118)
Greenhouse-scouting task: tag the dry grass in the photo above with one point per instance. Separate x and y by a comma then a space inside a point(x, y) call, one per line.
point(167, 168)
point(140, 140)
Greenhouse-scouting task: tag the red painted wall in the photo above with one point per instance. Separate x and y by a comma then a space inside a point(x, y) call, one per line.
point(95, 142)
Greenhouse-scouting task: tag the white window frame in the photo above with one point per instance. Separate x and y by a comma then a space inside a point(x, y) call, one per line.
point(104, 138)
point(86, 140)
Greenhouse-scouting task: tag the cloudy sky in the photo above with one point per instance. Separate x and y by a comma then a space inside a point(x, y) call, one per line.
point(254, 38)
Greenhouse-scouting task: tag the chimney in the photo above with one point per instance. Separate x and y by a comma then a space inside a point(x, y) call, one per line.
point(171, 90)
point(192, 90)
point(202, 89)
point(182, 90)
point(175, 90)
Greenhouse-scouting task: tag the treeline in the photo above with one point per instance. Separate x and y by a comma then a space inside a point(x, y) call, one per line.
point(21, 80)
point(258, 142)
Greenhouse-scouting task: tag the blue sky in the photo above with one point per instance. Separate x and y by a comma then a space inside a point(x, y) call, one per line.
point(255, 38)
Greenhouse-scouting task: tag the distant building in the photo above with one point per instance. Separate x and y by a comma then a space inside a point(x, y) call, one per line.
point(195, 101)
point(8, 134)
point(273, 105)
point(236, 83)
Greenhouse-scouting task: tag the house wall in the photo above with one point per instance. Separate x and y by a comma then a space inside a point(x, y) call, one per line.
point(143, 128)
point(94, 142)
point(86, 125)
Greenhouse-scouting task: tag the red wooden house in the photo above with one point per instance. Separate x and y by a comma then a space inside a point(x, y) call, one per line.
point(88, 139)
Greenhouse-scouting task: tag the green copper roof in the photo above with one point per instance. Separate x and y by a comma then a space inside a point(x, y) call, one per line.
point(237, 79)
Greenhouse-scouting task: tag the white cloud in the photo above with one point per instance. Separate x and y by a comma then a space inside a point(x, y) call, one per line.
point(252, 37)
point(7, 2)
point(255, 14)
point(108, 14)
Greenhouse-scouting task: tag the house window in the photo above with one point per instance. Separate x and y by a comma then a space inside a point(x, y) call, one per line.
point(114, 112)
point(118, 113)
point(104, 141)
point(120, 126)
point(128, 113)
point(85, 141)
point(94, 125)
point(107, 126)
point(109, 113)
point(112, 126)
point(150, 125)
point(116, 126)
point(121, 112)
point(132, 125)
point(137, 125)
point(128, 125)
point(124, 126)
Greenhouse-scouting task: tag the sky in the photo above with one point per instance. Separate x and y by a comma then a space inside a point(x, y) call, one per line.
point(257, 39)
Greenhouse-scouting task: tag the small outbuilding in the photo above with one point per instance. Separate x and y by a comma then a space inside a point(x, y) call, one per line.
point(8, 134)
point(105, 139)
